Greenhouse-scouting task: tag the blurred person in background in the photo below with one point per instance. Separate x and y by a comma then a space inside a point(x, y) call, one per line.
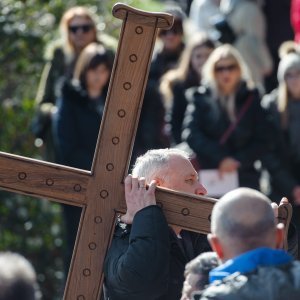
point(170, 46)
point(278, 30)
point(246, 19)
point(77, 29)
point(196, 273)
point(151, 133)
point(283, 159)
point(17, 278)
point(201, 14)
point(77, 121)
point(224, 123)
point(176, 81)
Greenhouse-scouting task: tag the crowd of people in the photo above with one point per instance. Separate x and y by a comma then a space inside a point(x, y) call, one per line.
point(219, 87)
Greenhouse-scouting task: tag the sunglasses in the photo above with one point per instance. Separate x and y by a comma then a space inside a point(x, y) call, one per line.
point(84, 28)
point(228, 68)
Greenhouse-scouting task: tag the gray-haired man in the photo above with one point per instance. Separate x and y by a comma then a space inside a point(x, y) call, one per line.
point(147, 257)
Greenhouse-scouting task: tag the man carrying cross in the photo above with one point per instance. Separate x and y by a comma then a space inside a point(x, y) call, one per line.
point(147, 257)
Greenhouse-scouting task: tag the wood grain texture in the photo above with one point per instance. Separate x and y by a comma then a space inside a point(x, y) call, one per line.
point(41, 179)
point(113, 151)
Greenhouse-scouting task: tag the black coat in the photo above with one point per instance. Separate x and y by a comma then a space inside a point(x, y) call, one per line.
point(206, 122)
point(146, 260)
point(150, 132)
point(179, 105)
point(76, 127)
point(282, 165)
point(75, 130)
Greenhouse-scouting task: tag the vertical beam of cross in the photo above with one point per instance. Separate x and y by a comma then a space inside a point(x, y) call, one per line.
point(113, 151)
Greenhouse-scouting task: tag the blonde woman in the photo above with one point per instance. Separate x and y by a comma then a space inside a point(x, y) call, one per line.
point(224, 124)
point(283, 105)
point(77, 29)
point(188, 74)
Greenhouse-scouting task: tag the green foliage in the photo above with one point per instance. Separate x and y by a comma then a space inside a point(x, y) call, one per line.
point(33, 228)
point(30, 226)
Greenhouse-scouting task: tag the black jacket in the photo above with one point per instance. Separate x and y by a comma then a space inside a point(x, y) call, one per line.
point(206, 122)
point(146, 260)
point(150, 132)
point(179, 105)
point(164, 61)
point(76, 127)
point(283, 167)
point(265, 283)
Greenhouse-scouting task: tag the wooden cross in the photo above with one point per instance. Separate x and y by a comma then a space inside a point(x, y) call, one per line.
point(100, 192)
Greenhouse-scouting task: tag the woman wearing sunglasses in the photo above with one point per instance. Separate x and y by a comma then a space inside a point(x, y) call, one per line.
point(224, 124)
point(77, 29)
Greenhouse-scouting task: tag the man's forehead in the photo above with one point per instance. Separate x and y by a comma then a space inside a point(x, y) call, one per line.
point(180, 164)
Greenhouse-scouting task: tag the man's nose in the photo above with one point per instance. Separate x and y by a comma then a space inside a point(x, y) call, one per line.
point(200, 190)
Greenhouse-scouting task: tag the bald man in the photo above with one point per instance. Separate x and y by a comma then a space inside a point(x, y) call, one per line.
point(246, 239)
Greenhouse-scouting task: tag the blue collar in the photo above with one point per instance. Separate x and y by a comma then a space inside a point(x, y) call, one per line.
point(249, 261)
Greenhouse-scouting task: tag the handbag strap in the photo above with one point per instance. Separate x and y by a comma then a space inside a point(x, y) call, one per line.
point(225, 136)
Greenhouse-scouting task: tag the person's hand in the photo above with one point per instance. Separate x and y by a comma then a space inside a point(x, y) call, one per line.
point(275, 209)
point(228, 164)
point(275, 206)
point(296, 195)
point(137, 196)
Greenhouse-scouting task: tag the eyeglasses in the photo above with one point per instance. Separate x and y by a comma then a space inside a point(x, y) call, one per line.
point(228, 68)
point(85, 28)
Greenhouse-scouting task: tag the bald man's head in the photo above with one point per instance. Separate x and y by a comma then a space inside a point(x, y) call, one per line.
point(243, 220)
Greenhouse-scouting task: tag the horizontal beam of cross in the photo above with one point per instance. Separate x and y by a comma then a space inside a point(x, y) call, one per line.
point(68, 185)
point(43, 179)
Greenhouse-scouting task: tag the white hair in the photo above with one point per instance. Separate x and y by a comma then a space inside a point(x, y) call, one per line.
point(154, 161)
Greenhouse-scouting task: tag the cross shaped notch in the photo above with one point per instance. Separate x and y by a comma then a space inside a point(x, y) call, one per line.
point(100, 192)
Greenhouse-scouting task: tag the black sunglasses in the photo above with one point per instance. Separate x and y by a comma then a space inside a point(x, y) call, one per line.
point(85, 28)
point(229, 68)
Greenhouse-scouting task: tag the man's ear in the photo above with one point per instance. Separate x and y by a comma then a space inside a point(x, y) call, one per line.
point(215, 245)
point(159, 181)
point(279, 236)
